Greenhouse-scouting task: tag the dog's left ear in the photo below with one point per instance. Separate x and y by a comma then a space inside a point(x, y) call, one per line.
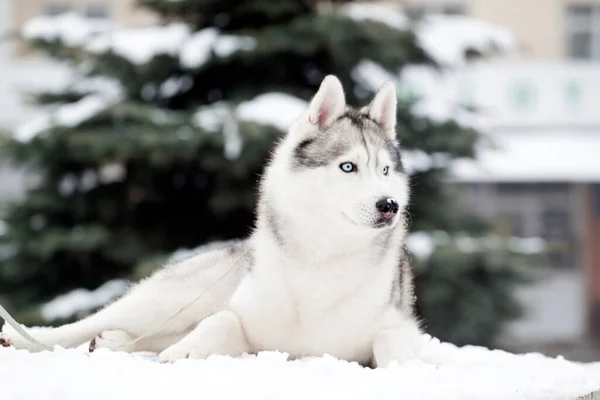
point(383, 108)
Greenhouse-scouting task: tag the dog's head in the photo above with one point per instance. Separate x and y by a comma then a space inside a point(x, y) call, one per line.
point(341, 165)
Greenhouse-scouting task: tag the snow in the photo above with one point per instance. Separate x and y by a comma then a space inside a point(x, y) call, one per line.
point(273, 108)
point(112, 172)
point(226, 45)
point(210, 118)
point(278, 109)
point(445, 38)
point(547, 156)
point(197, 50)
point(70, 28)
point(67, 115)
point(19, 77)
point(365, 11)
point(140, 45)
point(82, 300)
point(423, 244)
point(445, 371)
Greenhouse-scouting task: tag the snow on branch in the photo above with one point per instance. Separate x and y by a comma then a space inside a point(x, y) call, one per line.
point(81, 301)
point(446, 38)
point(70, 28)
point(138, 45)
point(67, 115)
point(280, 110)
point(197, 50)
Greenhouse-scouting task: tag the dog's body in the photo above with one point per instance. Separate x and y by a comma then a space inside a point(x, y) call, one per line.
point(324, 272)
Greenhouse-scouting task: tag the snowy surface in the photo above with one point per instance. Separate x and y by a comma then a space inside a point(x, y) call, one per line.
point(81, 301)
point(445, 371)
point(547, 156)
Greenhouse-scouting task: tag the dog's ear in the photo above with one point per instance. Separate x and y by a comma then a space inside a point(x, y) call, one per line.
point(383, 108)
point(328, 103)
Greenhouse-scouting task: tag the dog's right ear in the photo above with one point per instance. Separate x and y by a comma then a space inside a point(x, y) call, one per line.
point(328, 104)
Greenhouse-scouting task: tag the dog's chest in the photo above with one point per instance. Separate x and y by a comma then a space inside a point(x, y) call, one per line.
point(314, 311)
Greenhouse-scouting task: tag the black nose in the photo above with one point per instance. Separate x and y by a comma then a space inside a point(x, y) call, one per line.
point(387, 205)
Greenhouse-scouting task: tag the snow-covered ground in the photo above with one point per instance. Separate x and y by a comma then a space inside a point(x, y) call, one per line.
point(446, 372)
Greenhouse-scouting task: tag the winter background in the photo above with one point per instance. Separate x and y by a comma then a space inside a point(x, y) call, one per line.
point(117, 118)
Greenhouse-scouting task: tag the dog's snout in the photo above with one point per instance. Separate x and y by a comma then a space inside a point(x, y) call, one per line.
point(388, 206)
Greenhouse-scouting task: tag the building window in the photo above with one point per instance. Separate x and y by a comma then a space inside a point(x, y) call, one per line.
point(52, 10)
point(417, 11)
point(556, 229)
point(90, 10)
point(97, 11)
point(583, 31)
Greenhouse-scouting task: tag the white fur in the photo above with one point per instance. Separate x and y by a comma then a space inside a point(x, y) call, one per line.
point(383, 108)
point(325, 291)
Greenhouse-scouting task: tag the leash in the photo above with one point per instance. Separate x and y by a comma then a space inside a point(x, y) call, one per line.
point(21, 331)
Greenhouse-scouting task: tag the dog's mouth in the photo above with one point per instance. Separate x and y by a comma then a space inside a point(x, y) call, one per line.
point(380, 223)
point(384, 223)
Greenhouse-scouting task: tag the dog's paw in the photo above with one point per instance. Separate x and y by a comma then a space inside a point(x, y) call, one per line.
point(180, 351)
point(115, 340)
point(11, 338)
point(5, 342)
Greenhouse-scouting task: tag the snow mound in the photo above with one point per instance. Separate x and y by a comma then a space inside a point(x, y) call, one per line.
point(82, 300)
point(445, 371)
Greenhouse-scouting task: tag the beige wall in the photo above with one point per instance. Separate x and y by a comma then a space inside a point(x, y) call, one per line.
point(122, 11)
point(538, 24)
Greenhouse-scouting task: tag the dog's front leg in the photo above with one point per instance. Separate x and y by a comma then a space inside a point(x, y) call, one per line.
point(221, 333)
point(399, 341)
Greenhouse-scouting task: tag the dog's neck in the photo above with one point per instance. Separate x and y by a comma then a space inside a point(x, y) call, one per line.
point(308, 242)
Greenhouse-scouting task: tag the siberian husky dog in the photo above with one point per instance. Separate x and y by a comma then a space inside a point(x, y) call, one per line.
point(325, 270)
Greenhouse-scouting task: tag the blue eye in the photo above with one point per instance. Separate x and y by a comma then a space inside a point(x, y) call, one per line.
point(386, 169)
point(348, 167)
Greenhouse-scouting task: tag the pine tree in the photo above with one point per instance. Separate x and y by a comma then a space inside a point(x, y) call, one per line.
point(140, 173)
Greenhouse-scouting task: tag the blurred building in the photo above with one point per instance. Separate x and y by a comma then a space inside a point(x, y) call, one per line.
point(540, 107)
point(546, 29)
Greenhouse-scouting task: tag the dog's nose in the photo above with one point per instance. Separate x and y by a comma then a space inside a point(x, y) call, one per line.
point(388, 207)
